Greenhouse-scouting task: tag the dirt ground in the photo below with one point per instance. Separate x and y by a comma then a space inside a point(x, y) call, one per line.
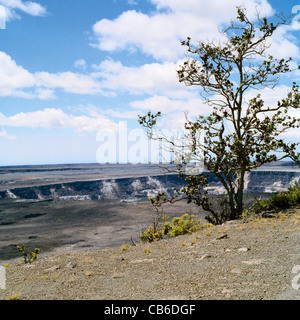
point(69, 226)
point(255, 259)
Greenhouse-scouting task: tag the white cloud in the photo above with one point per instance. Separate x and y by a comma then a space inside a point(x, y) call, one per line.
point(51, 118)
point(148, 78)
point(214, 7)
point(12, 76)
point(268, 95)
point(132, 2)
point(283, 43)
point(122, 114)
point(159, 34)
point(14, 79)
point(93, 111)
point(45, 94)
point(4, 134)
point(194, 106)
point(29, 7)
point(270, 98)
point(81, 64)
point(68, 81)
point(109, 78)
point(174, 121)
point(173, 110)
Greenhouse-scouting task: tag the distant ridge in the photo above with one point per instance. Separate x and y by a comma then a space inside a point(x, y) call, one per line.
point(130, 188)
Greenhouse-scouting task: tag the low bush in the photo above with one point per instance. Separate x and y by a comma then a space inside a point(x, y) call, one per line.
point(158, 231)
point(187, 223)
point(28, 257)
point(282, 200)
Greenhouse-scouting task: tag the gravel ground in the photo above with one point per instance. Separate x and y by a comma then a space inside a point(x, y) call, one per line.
point(251, 259)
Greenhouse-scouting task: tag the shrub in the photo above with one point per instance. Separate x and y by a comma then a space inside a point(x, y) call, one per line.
point(158, 231)
point(180, 225)
point(282, 200)
point(151, 234)
point(184, 224)
point(28, 257)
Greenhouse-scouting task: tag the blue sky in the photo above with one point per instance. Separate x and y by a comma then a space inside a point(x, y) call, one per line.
point(72, 68)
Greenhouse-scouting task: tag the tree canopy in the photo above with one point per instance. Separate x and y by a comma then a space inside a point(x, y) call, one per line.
point(239, 135)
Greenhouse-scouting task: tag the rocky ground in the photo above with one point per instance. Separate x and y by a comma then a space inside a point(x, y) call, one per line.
point(245, 259)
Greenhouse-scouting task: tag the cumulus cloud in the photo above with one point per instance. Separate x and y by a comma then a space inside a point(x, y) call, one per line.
point(283, 44)
point(148, 78)
point(51, 118)
point(156, 34)
point(11, 7)
point(268, 95)
point(81, 64)
point(68, 81)
point(194, 106)
point(107, 78)
point(159, 34)
point(12, 76)
point(135, 30)
point(271, 97)
point(45, 94)
point(15, 80)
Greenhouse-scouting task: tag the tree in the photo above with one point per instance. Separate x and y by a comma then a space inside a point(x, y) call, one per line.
point(239, 136)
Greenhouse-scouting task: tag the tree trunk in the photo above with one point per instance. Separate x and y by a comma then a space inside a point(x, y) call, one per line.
point(240, 195)
point(236, 197)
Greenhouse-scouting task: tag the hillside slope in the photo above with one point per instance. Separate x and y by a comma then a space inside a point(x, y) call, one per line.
point(251, 259)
